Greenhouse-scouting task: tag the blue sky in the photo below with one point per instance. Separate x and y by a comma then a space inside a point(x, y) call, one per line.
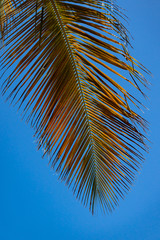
point(34, 205)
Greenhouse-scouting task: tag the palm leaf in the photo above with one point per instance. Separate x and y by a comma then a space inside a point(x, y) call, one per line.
point(69, 58)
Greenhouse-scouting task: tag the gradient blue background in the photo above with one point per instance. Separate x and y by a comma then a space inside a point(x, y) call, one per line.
point(34, 205)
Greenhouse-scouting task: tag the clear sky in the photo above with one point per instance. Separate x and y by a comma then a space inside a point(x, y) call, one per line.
point(34, 205)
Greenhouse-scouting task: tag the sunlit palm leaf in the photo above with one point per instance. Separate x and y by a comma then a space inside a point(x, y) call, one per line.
point(69, 57)
point(6, 13)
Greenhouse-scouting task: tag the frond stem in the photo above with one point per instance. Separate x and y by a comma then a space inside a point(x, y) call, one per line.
point(60, 21)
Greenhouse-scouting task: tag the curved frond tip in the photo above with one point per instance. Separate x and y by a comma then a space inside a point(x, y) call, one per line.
point(71, 73)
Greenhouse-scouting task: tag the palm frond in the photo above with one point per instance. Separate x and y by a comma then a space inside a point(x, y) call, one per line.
point(70, 62)
point(7, 12)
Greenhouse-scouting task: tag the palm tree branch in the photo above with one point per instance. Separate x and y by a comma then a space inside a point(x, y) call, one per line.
point(68, 58)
